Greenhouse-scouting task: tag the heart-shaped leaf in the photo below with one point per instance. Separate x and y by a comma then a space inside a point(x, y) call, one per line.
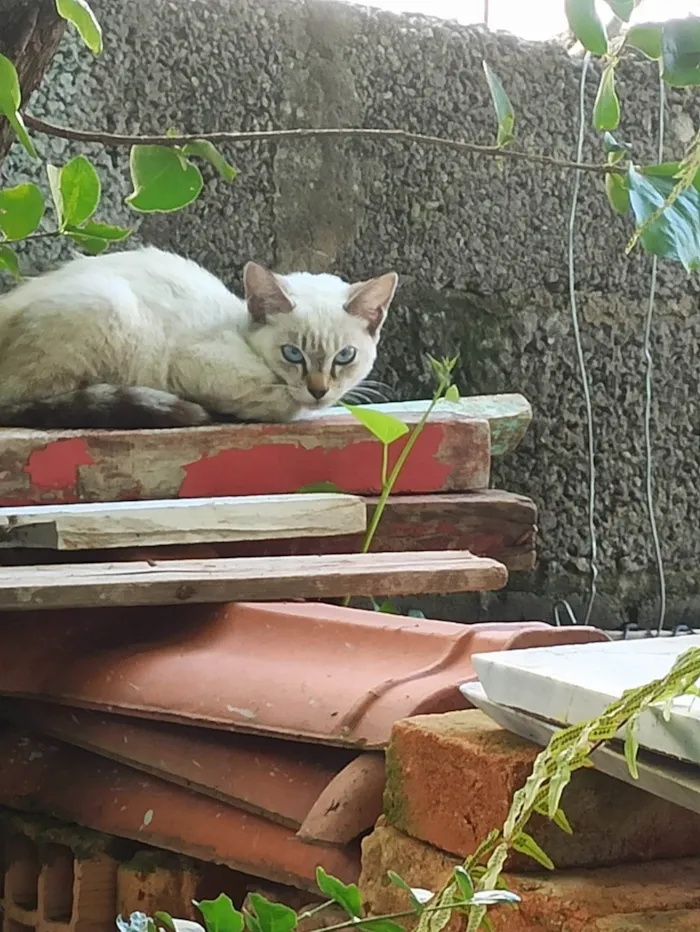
point(10, 102)
point(623, 9)
point(163, 180)
point(21, 210)
point(220, 915)
point(79, 13)
point(385, 427)
point(647, 37)
point(270, 917)
point(346, 895)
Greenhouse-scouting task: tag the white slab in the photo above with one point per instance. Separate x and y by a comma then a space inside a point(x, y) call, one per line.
point(572, 683)
point(106, 525)
point(675, 781)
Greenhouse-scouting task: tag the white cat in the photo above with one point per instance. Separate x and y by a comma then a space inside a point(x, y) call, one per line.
point(145, 338)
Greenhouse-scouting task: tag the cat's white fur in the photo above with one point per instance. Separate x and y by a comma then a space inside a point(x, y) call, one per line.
point(161, 324)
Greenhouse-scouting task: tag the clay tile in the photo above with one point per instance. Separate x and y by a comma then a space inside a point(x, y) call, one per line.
point(315, 672)
point(77, 786)
point(280, 780)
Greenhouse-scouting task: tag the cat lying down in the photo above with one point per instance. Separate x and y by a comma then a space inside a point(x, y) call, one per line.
point(145, 338)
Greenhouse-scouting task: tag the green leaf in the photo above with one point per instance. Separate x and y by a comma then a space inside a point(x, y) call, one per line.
point(21, 210)
point(8, 261)
point(464, 882)
point(606, 110)
point(561, 821)
point(220, 915)
point(618, 193)
point(94, 237)
point(385, 427)
point(676, 233)
point(80, 191)
point(78, 13)
point(632, 747)
point(526, 844)
point(680, 52)
point(382, 925)
point(204, 149)
point(415, 613)
point(418, 896)
point(623, 9)
point(647, 37)
point(54, 176)
point(10, 102)
point(270, 917)
point(611, 145)
point(166, 920)
point(452, 394)
point(387, 607)
point(320, 487)
point(586, 25)
point(163, 180)
point(345, 895)
point(503, 107)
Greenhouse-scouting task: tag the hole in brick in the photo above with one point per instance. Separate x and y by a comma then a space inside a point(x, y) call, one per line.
point(57, 884)
point(22, 876)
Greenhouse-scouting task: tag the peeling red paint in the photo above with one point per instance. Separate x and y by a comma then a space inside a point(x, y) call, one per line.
point(55, 466)
point(355, 468)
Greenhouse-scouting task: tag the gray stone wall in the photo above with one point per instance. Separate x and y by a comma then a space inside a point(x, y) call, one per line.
point(481, 252)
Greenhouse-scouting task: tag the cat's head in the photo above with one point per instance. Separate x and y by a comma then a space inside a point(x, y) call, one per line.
point(317, 333)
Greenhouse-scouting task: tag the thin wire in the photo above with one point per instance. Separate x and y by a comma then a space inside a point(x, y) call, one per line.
point(579, 353)
point(648, 393)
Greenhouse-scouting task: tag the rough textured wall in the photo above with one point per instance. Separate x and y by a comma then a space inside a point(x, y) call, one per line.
point(481, 252)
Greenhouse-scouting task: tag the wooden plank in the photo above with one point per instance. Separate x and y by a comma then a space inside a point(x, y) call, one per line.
point(490, 523)
point(173, 582)
point(509, 415)
point(453, 454)
point(675, 781)
point(181, 521)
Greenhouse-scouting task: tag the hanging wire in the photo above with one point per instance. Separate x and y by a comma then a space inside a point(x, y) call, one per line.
point(563, 603)
point(648, 393)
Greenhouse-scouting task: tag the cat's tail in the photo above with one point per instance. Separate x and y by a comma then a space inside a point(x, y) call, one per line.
point(105, 407)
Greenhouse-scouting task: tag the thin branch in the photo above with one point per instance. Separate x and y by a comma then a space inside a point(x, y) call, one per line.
point(292, 135)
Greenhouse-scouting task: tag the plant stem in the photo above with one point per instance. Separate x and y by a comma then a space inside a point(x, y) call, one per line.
point(316, 909)
point(299, 135)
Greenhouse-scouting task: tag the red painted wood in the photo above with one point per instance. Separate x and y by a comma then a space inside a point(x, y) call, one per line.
point(451, 455)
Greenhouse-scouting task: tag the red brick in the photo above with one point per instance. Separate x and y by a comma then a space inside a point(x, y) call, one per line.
point(627, 898)
point(451, 779)
point(146, 885)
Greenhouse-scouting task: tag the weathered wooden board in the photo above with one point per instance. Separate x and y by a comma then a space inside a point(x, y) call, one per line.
point(675, 781)
point(489, 523)
point(509, 415)
point(241, 579)
point(89, 526)
point(453, 454)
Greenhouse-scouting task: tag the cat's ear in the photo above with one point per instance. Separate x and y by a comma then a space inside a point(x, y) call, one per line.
point(264, 294)
point(370, 300)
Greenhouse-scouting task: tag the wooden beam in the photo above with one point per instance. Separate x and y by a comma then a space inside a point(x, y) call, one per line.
point(267, 579)
point(509, 415)
point(95, 526)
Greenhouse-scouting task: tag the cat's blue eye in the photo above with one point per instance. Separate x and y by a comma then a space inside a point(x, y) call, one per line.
point(346, 356)
point(292, 354)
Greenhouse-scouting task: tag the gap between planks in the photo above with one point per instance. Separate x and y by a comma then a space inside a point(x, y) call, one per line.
point(246, 579)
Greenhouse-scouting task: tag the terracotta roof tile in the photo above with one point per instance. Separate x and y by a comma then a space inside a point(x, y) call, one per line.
point(78, 786)
point(314, 672)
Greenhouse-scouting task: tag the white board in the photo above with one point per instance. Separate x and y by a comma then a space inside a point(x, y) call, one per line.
point(571, 683)
point(104, 525)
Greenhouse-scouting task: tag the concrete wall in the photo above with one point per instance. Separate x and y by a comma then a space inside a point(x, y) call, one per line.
point(481, 252)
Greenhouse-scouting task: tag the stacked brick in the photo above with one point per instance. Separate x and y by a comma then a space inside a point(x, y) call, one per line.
point(632, 864)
